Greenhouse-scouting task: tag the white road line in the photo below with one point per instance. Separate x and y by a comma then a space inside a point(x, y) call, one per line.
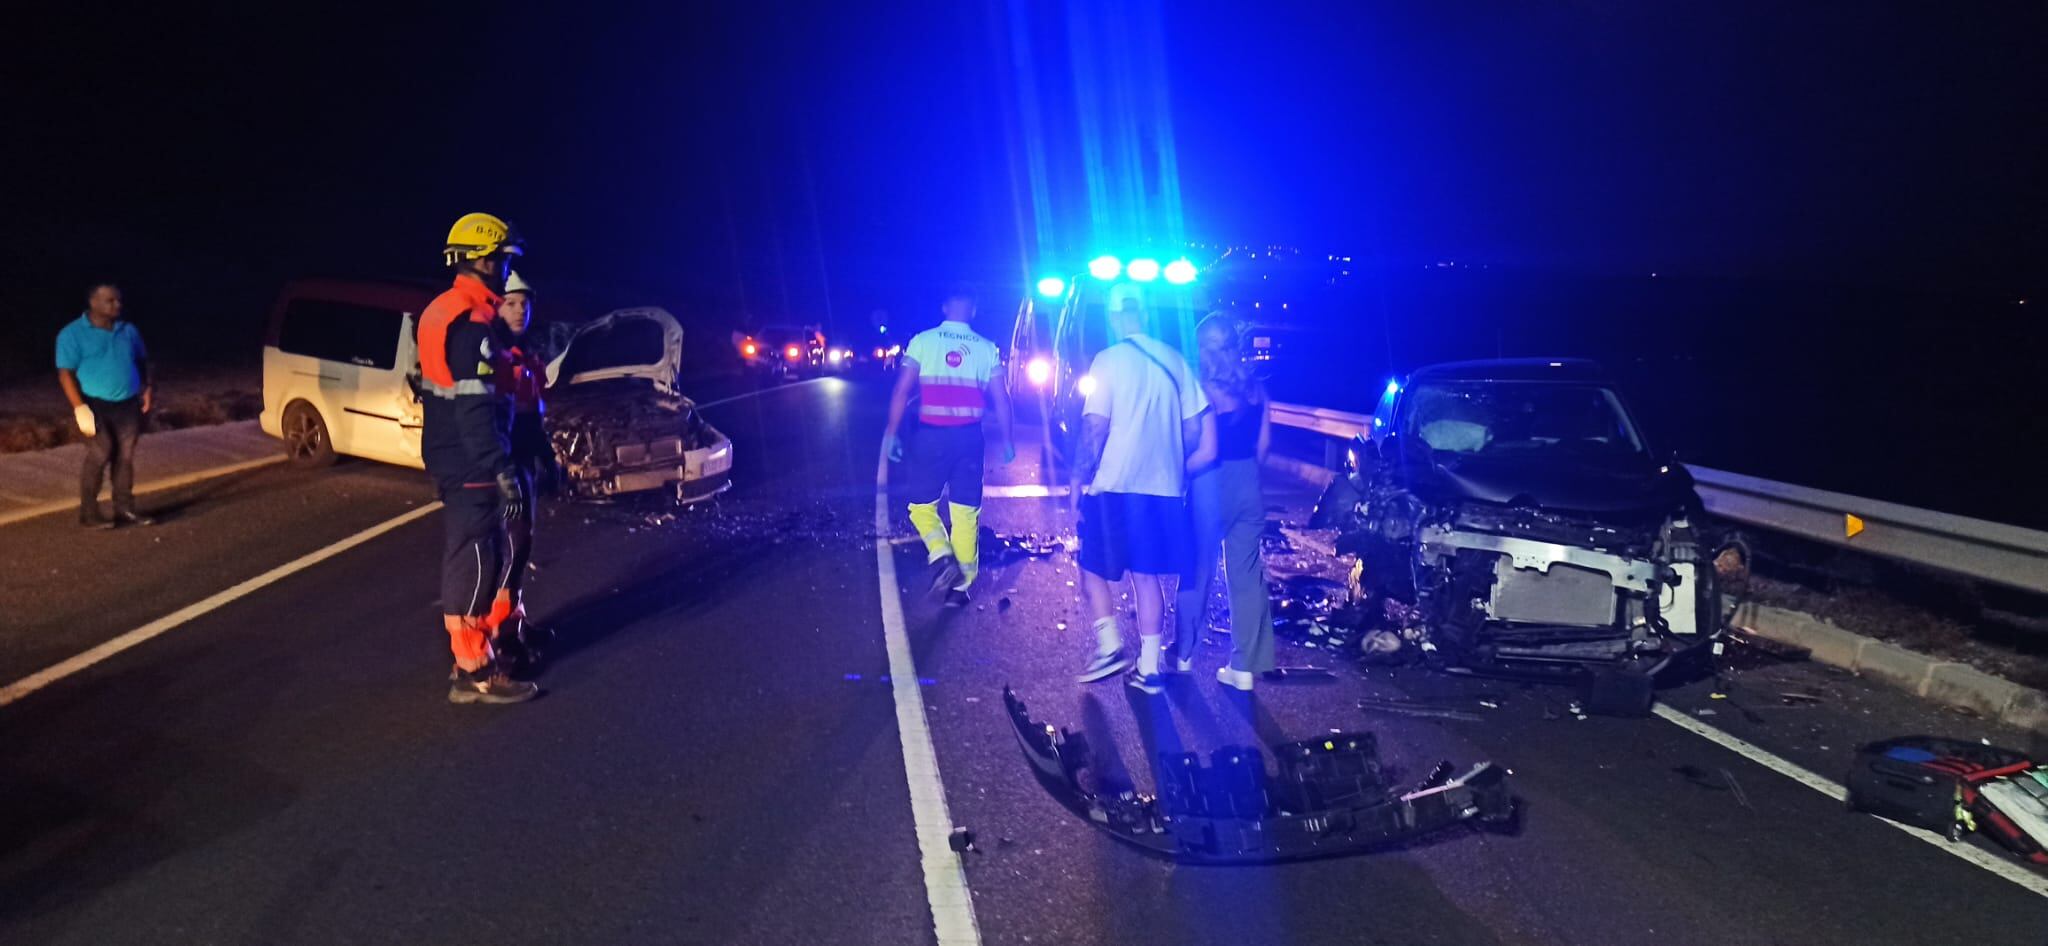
point(741, 397)
point(2031, 880)
point(945, 882)
point(12, 516)
point(42, 678)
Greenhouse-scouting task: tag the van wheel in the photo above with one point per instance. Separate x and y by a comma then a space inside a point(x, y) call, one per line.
point(306, 443)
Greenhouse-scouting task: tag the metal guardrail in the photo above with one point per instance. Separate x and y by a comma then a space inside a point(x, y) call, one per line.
point(1988, 551)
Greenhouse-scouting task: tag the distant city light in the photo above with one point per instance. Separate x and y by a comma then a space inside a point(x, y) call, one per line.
point(1180, 272)
point(1144, 270)
point(1051, 286)
point(1105, 267)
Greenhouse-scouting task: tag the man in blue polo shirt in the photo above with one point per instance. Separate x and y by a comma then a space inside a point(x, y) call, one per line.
point(105, 373)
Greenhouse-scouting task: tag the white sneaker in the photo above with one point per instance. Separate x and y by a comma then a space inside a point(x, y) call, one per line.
point(1184, 666)
point(1103, 665)
point(1235, 679)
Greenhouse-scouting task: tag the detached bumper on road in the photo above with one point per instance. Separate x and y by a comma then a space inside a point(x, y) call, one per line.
point(1330, 798)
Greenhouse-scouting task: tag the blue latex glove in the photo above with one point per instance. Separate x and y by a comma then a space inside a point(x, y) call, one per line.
point(893, 446)
point(1009, 453)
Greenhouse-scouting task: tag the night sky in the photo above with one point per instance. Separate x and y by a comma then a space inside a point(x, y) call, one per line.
point(815, 159)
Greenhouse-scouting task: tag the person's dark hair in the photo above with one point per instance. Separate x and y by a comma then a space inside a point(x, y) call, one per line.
point(959, 292)
point(93, 288)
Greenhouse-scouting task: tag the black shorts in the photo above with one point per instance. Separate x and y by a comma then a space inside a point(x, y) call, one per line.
point(945, 460)
point(1133, 532)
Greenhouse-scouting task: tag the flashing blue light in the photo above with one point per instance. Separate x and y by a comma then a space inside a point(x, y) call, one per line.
point(1144, 270)
point(1051, 286)
point(1180, 272)
point(882, 329)
point(1393, 388)
point(1105, 267)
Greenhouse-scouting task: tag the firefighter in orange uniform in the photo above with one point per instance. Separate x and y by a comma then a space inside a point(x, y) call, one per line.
point(466, 442)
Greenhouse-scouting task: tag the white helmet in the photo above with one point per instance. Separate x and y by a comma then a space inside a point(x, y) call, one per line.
point(513, 283)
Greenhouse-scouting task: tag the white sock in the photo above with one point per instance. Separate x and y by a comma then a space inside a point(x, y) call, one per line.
point(1149, 648)
point(1108, 640)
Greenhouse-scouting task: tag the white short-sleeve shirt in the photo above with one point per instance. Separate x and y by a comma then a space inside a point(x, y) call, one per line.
point(1145, 399)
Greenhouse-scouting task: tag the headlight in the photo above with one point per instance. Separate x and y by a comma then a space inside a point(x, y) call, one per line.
point(1038, 371)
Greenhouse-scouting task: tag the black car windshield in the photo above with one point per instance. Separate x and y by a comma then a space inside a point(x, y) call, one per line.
point(1496, 417)
point(622, 344)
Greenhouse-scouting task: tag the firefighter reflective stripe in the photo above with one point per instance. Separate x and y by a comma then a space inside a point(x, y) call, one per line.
point(458, 389)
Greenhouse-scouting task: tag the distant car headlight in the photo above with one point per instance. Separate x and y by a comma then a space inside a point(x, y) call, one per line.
point(840, 354)
point(1086, 385)
point(895, 350)
point(1039, 371)
point(793, 352)
point(881, 353)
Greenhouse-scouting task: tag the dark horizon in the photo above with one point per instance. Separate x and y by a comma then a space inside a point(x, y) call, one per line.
point(792, 156)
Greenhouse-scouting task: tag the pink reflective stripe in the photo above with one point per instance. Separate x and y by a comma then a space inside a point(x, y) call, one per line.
point(948, 394)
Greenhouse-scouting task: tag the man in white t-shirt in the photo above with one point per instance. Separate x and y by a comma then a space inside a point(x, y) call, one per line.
point(1144, 425)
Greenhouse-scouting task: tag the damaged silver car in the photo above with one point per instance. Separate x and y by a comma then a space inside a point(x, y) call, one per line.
point(618, 421)
point(1510, 516)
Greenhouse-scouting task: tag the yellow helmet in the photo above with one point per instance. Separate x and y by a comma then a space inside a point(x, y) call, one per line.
point(476, 236)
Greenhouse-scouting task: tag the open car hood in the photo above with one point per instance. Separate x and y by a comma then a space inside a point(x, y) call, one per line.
point(657, 363)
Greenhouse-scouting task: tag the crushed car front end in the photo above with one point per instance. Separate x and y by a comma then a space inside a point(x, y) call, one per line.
point(1505, 527)
point(619, 425)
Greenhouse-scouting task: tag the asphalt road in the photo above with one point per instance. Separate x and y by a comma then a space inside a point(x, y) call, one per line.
point(717, 757)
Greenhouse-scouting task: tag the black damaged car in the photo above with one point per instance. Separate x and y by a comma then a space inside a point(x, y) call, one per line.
point(1511, 516)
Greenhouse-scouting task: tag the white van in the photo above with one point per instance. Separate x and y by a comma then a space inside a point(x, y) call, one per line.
point(335, 361)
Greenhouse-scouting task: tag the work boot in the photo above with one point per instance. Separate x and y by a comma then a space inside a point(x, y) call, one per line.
point(489, 684)
point(957, 598)
point(1103, 665)
point(129, 517)
point(945, 574)
point(91, 519)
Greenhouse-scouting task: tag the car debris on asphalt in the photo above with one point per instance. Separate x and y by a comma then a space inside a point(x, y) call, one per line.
point(1330, 796)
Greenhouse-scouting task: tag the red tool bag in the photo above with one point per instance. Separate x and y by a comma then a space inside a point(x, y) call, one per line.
point(1935, 783)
